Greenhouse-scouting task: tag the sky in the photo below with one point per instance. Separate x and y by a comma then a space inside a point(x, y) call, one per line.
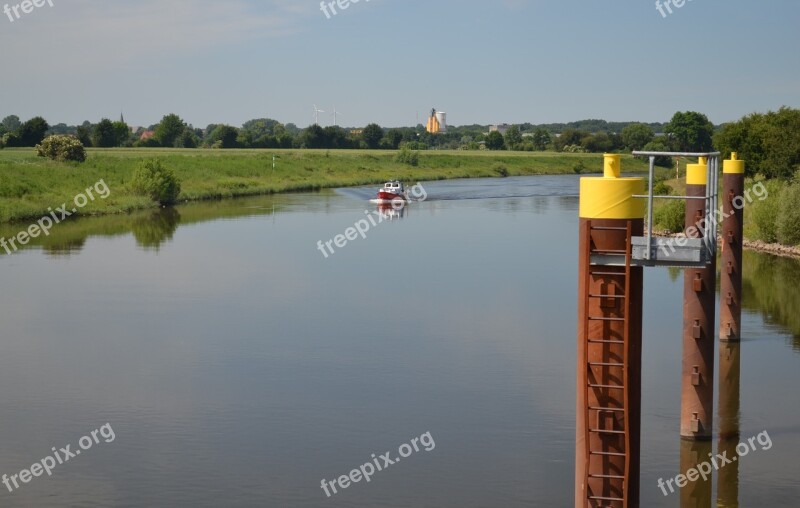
point(391, 61)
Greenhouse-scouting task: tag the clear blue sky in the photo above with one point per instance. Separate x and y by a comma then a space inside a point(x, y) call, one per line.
point(385, 61)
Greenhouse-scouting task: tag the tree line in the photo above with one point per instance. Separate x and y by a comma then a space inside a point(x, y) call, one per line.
point(769, 142)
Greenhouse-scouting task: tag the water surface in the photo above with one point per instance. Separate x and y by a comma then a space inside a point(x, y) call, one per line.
point(238, 366)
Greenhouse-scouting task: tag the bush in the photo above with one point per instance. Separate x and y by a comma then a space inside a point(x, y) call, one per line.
point(147, 143)
point(787, 224)
point(662, 189)
point(765, 213)
point(154, 180)
point(500, 169)
point(671, 215)
point(407, 156)
point(574, 149)
point(658, 145)
point(62, 148)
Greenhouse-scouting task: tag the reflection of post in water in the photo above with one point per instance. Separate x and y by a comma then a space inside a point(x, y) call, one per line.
point(729, 376)
point(157, 228)
point(697, 493)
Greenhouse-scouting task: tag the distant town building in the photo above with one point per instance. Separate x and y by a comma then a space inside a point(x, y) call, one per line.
point(147, 135)
point(501, 128)
point(437, 122)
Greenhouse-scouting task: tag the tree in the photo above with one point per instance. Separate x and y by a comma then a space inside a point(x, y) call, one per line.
point(659, 145)
point(103, 134)
point(513, 137)
point(169, 130)
point(636, 135)
point(570, 137)
point(690, 132)
point(335, 137)
point(541, 139)
point(224, 136)
point(394, 137)
point(11, 123)
point(495, 141)
point(122, 134)
point(598, 143)
point(313, 137)
point(188, 139)
point(770, 143)
point(84, 133)
point(373, 133)
point(32, 132)
point(260, 127)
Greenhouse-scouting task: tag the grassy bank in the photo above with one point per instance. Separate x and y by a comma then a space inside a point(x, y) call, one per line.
point(29, 185)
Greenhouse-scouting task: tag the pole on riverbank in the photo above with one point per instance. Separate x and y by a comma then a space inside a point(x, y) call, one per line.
point(608, 416)
point(699, 302)
point(733, 202)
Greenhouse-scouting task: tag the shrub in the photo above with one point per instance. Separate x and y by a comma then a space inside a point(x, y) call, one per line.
point(574, 149)
point(500, 169)
point(146, 143)
point(787, 224)
point(154, 180)
point(671, 215)
point(662, 189)
point(407, 156)
point(62, 148)
point(658, 145)
point(765, 213)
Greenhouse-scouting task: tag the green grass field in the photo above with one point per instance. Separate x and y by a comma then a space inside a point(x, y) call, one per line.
point(29, 185)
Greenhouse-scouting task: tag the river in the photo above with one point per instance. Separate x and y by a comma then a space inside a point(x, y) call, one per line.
point(238, 364)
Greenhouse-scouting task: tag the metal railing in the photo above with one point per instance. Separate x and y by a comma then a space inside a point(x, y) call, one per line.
point(709, 239)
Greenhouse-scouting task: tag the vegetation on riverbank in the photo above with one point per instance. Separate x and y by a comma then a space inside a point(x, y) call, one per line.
point(29, 185)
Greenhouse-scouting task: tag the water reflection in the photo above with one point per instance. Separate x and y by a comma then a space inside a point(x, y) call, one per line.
point(150, 228)
point(389, 212)
point(151, 231)
point(64, 247)
point(770, 287)
point(697, 493)
point(729, 416)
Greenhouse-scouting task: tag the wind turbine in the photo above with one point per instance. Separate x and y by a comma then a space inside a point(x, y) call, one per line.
point(317, 111)
point(335, 113)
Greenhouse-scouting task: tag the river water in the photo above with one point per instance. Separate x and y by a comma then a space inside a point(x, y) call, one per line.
point(237, 365)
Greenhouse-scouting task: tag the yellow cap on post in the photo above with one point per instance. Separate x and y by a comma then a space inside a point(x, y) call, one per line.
point(733, 166)
point(611, 197)
point(697, 174)
point(612, 167)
